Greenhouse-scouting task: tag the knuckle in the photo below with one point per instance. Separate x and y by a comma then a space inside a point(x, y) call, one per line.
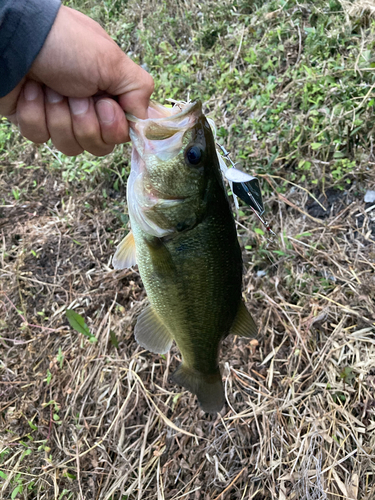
point(71, 152)
point(149, 83)
point(92, 142)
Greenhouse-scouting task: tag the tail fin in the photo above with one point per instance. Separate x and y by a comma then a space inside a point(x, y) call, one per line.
point(208, 388)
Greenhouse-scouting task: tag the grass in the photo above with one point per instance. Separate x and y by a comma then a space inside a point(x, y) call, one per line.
point(85, 413)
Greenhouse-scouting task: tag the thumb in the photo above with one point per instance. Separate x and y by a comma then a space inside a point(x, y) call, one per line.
point(133, 86)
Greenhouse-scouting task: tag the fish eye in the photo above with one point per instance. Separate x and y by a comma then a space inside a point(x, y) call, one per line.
point(194, 155)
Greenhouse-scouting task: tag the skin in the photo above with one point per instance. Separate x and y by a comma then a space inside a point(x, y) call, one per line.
point(78, 88)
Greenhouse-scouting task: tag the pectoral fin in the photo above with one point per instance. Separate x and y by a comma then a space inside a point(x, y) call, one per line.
point(125, 253)
point(151, 333)
point(244, 325)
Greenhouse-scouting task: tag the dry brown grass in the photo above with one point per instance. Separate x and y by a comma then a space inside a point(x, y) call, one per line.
point(358, 8)
point(107, 424)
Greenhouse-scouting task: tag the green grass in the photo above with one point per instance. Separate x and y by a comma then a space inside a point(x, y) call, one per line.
point(295, 87)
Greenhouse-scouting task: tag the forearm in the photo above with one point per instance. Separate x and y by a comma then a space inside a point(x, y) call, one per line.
point(24, 26)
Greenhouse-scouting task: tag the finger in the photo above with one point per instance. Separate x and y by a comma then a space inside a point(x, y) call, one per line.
point(59, 123)
point(136, 96)
point(13, 118)
point(31, 114)
point(8, 103)
point(86, 126)
point(113, 124)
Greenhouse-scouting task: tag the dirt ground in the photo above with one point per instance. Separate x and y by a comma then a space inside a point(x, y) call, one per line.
point(101, 420)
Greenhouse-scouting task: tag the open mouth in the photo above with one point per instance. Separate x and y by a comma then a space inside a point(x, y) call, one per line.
point(163, 123)
point(161, 134)
point(159, 112)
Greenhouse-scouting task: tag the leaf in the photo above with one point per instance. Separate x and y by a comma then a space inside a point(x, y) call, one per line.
point(259, 231)
point(176, 397)
point(347, 375)
point(3, 475)
point(77, 322)
point(338, 154)
point(366, 54)
point(16, 490)
point(69, 475)
point(355, 130)
point(316, 145)
point(303, 234)
point(113, 338)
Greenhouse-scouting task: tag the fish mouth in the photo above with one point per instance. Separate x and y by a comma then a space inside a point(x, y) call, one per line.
point(170, 202)
point(161, 134)
point(160, 113)
point(163, 123)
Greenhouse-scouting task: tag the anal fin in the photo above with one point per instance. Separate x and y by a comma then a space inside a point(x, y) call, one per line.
point(244, 325)
point(125, 254)
point(151, 333)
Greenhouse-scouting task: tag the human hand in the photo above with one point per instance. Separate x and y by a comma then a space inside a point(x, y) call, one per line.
point(66, 96)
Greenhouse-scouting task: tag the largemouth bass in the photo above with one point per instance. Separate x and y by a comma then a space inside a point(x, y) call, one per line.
point(185, 243)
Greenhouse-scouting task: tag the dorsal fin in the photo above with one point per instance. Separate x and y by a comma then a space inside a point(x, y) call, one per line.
point(151, 333)
point(125, 254)
point(244, 325)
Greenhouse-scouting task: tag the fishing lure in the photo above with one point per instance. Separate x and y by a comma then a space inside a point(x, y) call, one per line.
point(246, 187)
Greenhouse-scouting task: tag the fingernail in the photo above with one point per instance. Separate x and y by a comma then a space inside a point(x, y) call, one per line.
point(52, 96)
point(78, 106)
point(105, 111)
point(31, 90)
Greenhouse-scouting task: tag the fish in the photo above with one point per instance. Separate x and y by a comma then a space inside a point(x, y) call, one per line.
point(183, 238)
